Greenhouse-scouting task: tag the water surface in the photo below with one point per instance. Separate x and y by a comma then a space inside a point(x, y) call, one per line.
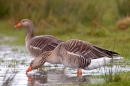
point(14, 60)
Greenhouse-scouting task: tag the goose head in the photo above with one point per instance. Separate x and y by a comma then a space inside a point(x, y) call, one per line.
point(36, 63)
point(28, 25)
point(25, 23)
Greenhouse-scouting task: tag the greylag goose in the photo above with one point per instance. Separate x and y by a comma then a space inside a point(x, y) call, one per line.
point(37, 44)
point(75, 54)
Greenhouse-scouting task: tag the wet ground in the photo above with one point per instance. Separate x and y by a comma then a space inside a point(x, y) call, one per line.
point(14, 60)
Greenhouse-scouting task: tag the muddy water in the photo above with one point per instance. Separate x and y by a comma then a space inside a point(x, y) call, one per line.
point(14, 60)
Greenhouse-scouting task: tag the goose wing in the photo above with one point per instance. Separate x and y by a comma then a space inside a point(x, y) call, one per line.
point(87, 50)
point(40, 44)
point(73, 60)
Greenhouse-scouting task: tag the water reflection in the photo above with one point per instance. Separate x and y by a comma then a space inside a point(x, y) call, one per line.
point(55, 78)
point(36, 80)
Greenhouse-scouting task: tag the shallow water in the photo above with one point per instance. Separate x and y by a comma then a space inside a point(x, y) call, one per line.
point(14, 60)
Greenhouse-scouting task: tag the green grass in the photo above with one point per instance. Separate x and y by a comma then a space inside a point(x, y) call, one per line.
point(124, 81)
point(7, 29)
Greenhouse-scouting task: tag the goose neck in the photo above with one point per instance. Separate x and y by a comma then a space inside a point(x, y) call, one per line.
point(30, 33)
point(53, 58)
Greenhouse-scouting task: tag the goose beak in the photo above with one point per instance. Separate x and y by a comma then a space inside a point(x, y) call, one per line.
point(17, 26)
point(29, 69)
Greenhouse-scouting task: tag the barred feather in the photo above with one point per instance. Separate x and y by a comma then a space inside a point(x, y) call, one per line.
point(78, 54)
point(42, 43)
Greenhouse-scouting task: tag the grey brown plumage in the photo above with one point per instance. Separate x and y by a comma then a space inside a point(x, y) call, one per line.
point(37, 44)
point(40, 44)
point(79, 54)
point(87, 50)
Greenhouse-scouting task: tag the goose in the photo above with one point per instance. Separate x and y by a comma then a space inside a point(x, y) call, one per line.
point(37, 44)
point(77, 54)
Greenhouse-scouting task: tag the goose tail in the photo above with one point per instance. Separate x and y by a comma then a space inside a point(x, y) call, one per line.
point(100, 62)
point(117, 58)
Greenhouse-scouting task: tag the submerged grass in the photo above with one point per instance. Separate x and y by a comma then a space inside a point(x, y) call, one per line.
point(12, 63)
point(112, 78)
point(7, 81)
point(120, 80)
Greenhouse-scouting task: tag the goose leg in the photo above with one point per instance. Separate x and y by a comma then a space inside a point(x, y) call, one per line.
point(79, 72)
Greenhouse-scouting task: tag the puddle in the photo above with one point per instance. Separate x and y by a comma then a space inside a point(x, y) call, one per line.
point(14, 60)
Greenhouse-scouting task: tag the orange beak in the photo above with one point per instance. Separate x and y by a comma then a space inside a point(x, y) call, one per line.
point(17, 26)
point(29, 69)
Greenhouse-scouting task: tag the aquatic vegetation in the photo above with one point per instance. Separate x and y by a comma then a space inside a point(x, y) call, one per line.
point(7, 80)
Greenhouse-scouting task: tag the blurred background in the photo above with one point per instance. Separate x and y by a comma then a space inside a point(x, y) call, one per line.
point(104, 23)
point(65, 14)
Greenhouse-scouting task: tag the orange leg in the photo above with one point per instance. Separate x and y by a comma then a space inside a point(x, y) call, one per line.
point(79, 72)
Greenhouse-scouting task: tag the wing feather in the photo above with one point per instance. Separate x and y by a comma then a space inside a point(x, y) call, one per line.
point(41, 44)
point(87, 50)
